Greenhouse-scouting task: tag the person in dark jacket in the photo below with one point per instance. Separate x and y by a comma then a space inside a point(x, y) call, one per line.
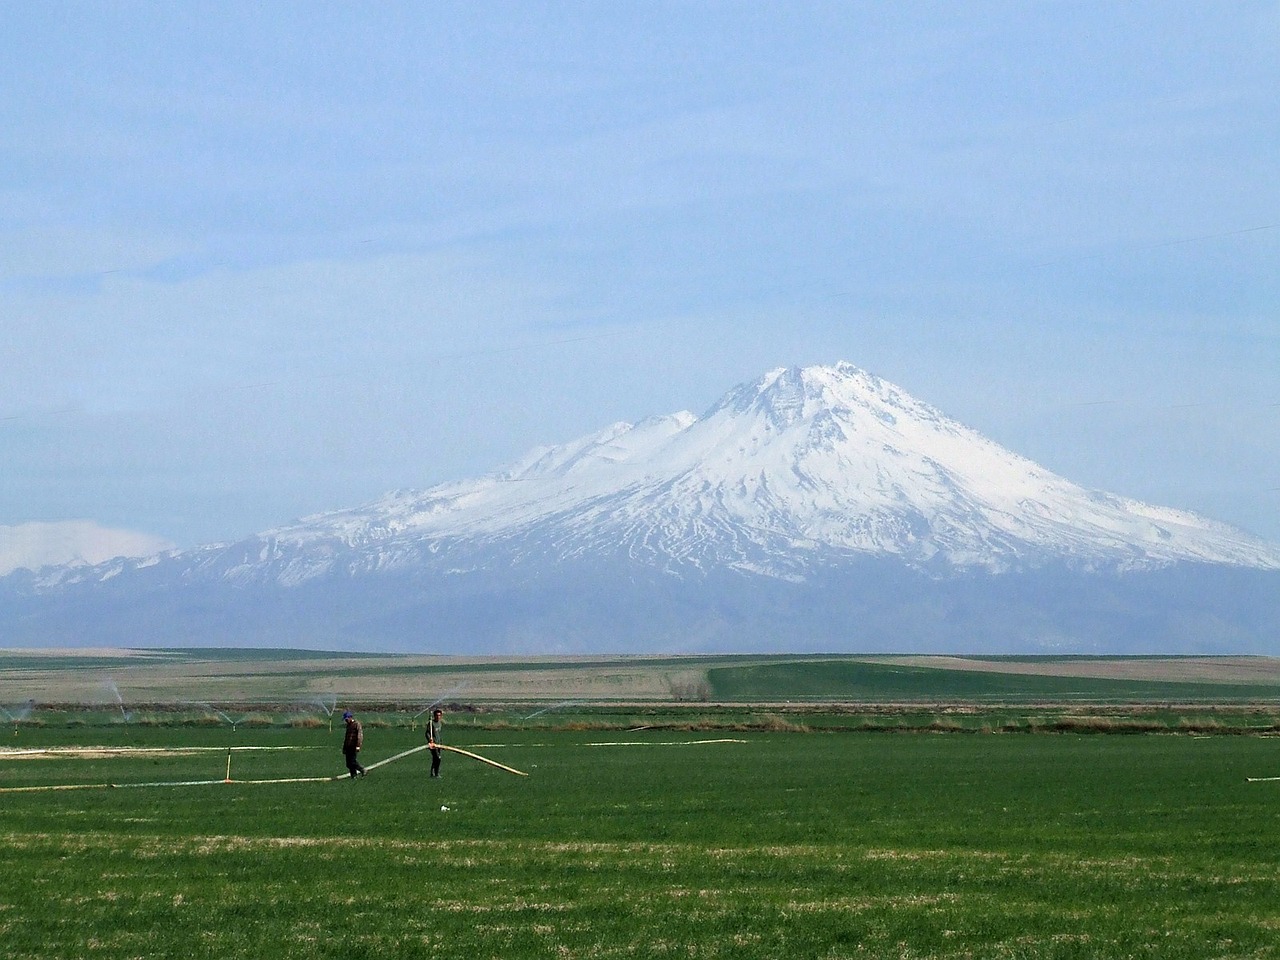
point(351, 744)
point(435, 733)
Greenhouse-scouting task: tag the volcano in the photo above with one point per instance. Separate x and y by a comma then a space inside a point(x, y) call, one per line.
point(813, 508)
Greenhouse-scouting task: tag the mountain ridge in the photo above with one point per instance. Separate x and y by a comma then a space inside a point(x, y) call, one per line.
point(819, 456)
point(810, 504)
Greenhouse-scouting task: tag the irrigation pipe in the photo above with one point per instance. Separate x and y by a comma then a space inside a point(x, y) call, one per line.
point(163, 783)
point(67, 786)
point(441, 746)
point(372, 766)
point(1259, 779)
point(467, 753)
point(19, 753)
point(229, 780)
point(405, 753)
point(476, 756)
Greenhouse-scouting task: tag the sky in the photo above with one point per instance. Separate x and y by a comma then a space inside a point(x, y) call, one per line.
point(259, 261)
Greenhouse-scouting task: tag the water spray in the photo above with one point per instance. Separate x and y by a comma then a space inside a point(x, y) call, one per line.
point(554, 706)
point(328, 703)
point(210, 706)
point(17, 714)
point(436, 702)
point(115, 692)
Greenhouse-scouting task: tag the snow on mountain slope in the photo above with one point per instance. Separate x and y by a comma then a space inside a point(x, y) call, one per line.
point(800, 468)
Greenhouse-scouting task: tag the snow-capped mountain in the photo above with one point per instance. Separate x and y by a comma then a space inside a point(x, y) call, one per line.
point(794, 469)
point(794, 479)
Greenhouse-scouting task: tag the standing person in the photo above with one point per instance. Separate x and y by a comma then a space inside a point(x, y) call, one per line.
point(351, 744)
point(435, 734)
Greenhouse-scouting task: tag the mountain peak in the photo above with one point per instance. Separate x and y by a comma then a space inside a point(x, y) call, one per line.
point(798, 468)
point(787, 395)
point(812, 502)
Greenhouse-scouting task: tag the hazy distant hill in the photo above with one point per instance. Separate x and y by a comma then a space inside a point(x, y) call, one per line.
point(816, 508)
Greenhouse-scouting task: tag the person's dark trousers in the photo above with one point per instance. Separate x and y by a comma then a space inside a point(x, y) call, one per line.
point(353, 765)
point(435, 762)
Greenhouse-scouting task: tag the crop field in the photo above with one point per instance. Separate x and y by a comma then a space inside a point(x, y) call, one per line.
point(177, 803)
point(122, 678)
point(638, 843)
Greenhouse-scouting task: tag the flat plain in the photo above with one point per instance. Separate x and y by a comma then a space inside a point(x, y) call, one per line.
point(112, 677)
point(651, 829)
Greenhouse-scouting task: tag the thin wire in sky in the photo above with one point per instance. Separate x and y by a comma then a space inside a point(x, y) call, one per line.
point(1138, 248)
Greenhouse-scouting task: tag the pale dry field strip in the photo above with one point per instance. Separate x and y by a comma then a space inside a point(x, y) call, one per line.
point(406, 679)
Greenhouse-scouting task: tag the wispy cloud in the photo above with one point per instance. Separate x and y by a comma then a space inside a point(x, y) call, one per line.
point(34, 545)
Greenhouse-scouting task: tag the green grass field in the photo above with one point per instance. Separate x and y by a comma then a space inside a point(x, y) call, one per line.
point(862, 681)
point(644, 844)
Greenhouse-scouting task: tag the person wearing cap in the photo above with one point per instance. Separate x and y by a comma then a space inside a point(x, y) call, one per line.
point(435, 731)
point(351, 744)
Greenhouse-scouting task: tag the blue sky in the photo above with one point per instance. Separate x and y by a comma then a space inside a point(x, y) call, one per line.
point(263, 260)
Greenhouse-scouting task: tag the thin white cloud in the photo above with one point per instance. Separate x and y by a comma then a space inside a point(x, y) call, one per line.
point(34, 545)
